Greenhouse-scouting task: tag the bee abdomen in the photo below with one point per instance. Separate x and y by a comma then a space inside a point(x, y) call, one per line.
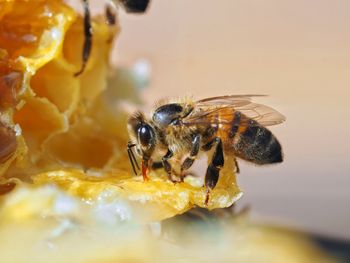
point(258, 145)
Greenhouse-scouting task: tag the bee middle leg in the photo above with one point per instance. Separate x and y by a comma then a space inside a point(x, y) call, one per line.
point(187, 163)
point(87, 37)
point(159, 165)
point(167, 165)
point(213, 170)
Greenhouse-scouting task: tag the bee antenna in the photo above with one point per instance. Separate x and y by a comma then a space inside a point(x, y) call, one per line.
point(131, 161)
point(132, 158)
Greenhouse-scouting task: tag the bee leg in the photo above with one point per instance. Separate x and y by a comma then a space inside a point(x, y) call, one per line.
point(208, 146)
point(213, 170)
point(110, 13)
point(157, 165)
point(237, 166)
point(166, 164)
point(193, 154)
point(88, 37)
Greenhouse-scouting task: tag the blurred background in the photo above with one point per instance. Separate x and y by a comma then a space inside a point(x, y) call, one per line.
point(297, 52)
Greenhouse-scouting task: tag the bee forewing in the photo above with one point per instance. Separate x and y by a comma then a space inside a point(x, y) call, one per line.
point(229, 98)
point(263, 114)
point(226, 106)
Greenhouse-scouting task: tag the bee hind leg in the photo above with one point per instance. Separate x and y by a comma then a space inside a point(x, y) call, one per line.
point(213, 170)
point(87, 37)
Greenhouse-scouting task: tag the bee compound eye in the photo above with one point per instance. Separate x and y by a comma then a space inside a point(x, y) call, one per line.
point(145, 135)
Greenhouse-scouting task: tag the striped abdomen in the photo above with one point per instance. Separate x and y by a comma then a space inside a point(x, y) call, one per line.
point(252, 141)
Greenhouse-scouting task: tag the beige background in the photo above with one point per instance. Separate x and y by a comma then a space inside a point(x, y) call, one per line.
point(298, 52)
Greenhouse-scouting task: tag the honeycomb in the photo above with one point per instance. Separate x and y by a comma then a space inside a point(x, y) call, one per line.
point(63, 130)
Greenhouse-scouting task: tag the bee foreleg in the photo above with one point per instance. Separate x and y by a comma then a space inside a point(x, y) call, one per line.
point(88, 37)
point(157, 165)
point(193, 154)
point(166, 164)
point(213, 170)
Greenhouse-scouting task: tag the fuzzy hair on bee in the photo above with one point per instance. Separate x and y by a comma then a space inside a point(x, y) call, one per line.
point(231, 125)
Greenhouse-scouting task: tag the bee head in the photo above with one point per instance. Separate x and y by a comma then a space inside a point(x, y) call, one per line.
point(143, 134)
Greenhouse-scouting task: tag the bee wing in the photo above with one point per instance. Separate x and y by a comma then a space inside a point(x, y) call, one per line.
point(225, 106)
point(233, 100)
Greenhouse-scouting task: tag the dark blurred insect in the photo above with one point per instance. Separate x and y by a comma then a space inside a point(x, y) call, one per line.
point(131, 6)
point(231, 125)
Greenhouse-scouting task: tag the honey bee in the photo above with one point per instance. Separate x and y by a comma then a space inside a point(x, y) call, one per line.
point(228, 124)
point(130, 6)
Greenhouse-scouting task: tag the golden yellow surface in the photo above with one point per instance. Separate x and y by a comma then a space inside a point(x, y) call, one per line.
point(156, 199)
point(68, 194)
point(46, 224)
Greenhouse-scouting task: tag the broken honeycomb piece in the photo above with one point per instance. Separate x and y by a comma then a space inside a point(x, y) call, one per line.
point(155, 199)
point(49, 225)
